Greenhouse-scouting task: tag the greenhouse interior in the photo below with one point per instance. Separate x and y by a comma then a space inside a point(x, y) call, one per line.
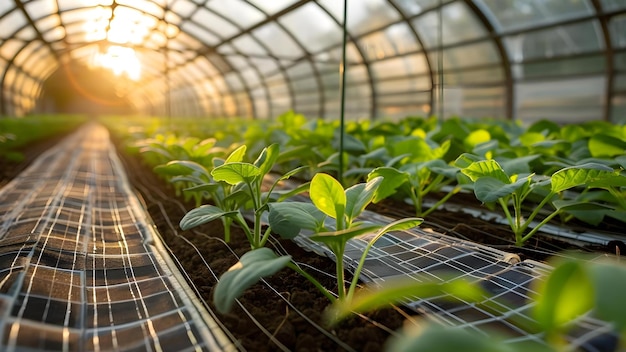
point(312, 175)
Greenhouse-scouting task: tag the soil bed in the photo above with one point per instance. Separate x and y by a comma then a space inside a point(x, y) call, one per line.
point(287, 306)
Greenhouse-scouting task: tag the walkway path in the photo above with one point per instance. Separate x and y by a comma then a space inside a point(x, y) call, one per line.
point(80, 266)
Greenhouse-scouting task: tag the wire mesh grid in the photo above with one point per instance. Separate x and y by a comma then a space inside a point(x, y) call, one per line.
point(424, 255)
point(81, 269)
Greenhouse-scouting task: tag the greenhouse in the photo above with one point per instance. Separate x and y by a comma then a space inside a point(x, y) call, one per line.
point(312, 175)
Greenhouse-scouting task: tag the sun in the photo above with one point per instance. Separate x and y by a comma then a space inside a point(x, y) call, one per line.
point(123, 61)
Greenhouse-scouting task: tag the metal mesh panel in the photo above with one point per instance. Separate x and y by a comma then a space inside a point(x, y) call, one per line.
point(81, 269)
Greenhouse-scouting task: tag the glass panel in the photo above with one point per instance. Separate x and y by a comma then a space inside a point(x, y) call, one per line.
point(25, 53)
point(400, 66)
point(147, 6)
point(394, 40)
point(38, 9)
point(401, 85)
point(414, 7)
point(278, 41)
point(11, 23)
point(483, 53)
point(576, 66)
point(237, 11)
point(54, 34)
point(6, 6)
point(265, 66)
point(237, 61)
point(460, 24)
point(557, 41)
point(363, 15)
point(185, 8)
point(619, 83)
point(481, 102)
point(217, 24)
point(247, 45)
point(250, 77)
point(564, 101)
point(620, 61)
point(299, 22)
point(272, 6)
point(333, 56)
point(514, 14)
point(9, 48)
point(618, 109)
point(470, 77)
point(608, 5)
point(26, 34)
point(618, 31)
point(200, 33)
point(47, 23)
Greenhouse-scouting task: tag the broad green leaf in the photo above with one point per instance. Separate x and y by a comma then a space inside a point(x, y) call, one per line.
point(237, 155)
point(466, 159)
point(615, 180)
point(440, 339)
point(191, 179)
point(266, 160)
point(566, 294)
point(579, 175)
point(360, 196)
point(609, 281)
point(328, 195)
point(570, 205)
point(603, 145)
point(235, 172)
point(399, 290)
point(486, 168)
point(251, 267)
point(202, 215)
point(289, 218)
point(621, 160)
point(238, 196)
point(476, 137)
point(488, 189)
point(519, 165)
point(392, 179)
point(530, 138)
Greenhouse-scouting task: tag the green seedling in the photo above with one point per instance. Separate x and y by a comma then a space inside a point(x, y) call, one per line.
point(288, 219)
point(493, 184)
point(242, 183)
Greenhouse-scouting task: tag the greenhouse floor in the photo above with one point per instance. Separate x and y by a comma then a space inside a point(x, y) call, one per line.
point(81, 266)
point(84, 268)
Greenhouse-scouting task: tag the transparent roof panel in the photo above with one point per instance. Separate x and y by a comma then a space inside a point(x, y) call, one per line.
point(414, 7)
point(394, 40)
point(572, 39)
point(278, 41)
point(271, 7)
point(364, 15)
point(612, 5)
point(237, 11)
point(41, 8)
point(217, 24)
point(460, 25)
point(618, 31)
point(515, 14)
point(11, 23)
point(327, 32)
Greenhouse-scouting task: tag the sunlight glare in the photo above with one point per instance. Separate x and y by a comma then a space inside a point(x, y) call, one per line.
point(120, 60)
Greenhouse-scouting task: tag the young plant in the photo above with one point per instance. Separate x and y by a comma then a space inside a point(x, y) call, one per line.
point(242, 185)
point(493, 184)
point(416, 180)
point(288, 219)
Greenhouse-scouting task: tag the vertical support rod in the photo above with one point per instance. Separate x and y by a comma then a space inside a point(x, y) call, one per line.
point(440, 61)
point(343, 91)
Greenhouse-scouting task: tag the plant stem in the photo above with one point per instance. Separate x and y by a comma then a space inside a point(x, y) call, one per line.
point(535, 212)
point(536, 228)
point(316, 283)
point(454, 191)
